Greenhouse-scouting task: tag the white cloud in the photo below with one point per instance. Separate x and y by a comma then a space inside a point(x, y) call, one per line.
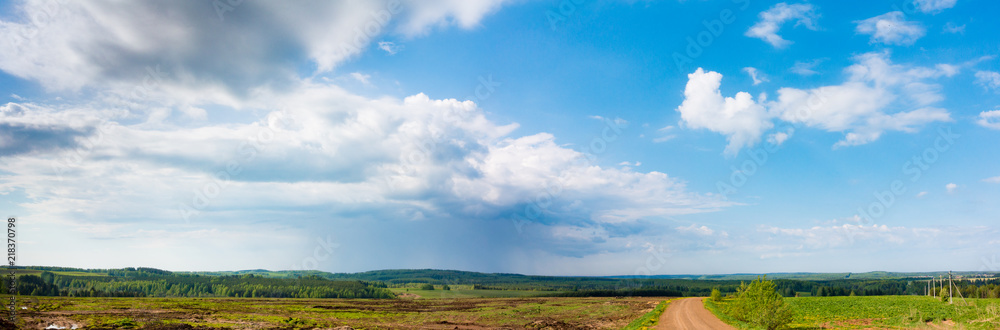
point(664, 138)
point(779, 138)
point(399, 158)
point(754, 75)
point(989, 119)
point(740, 118)
point(995, 179)
point(389, 47)
point(360, 77)
point(860, 107)
point(933, 6)
point(921, 194)
point(950, 187)
point(111, 43)
point(826, 237)
point(695, 229)
point(988, 79)
point(806, 68)
point(463, 13)
point(891, 29)
point(954, 28)
point(771, 20)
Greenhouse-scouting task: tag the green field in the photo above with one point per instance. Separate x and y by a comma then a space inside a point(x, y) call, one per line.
point(885, 312)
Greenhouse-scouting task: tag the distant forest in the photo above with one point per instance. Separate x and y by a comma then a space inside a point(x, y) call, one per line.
point(150, 282)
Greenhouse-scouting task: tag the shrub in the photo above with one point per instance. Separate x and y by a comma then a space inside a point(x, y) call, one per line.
point(427, 286)
point(716, 295)
point(760, 304)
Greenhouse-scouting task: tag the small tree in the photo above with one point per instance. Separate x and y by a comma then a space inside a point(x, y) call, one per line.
point(760, 304)
point(943, 294)
point(427, 286)
point(445, 287)
point(716, 295)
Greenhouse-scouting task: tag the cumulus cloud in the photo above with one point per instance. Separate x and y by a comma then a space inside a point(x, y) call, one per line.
point(772, 19)
point(740, 118)
point(891, 28)
point(933, 6)
point(416, 158)
point(950, 187)
point(861, 107)
point(989, 119)
point(995, 179)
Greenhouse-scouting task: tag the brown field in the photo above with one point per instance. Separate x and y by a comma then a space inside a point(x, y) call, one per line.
point(247, 313)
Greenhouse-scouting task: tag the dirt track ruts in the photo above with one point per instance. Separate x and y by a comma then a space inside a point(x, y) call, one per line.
point(689, 313)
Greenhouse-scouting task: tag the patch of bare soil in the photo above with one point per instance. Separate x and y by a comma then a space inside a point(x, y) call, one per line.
point(550, 324)
point(946, 324)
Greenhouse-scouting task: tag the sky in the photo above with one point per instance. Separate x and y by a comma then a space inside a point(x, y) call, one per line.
point(572, 137)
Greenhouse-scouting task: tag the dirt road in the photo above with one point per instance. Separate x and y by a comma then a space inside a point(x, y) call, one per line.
point(689, 313)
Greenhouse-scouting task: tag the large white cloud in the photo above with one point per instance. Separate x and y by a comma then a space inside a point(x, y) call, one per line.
point(891, 28)
point(877, 96)
point(319, 147)
point(771, 20)
point(206, 49)
point(740, 118)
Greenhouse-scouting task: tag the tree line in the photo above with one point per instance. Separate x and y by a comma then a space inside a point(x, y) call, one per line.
point(156, 283)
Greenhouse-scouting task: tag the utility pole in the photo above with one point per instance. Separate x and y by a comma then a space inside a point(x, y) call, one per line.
point(949, 288)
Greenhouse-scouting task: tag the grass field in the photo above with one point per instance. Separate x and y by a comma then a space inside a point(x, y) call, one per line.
point(246, 313)
point(885, 312)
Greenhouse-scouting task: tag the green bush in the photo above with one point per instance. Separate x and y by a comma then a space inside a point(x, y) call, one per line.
point(760, 304)
point(716, 295)
point(427, 286)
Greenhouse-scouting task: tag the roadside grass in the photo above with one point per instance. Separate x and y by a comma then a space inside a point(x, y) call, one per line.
point(717, 309)
point(649, 319)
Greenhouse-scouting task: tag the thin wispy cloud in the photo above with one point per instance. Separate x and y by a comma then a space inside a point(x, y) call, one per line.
point(892, 29)
point(771, 21)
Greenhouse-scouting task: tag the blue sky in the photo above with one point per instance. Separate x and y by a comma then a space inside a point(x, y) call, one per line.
point(540, 137)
